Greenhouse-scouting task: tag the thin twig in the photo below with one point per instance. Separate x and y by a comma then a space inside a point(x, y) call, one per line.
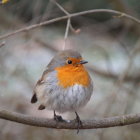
point(70, 16)
point(86, 124)
point(68, 22)
point(66, 33)
point(60, 7)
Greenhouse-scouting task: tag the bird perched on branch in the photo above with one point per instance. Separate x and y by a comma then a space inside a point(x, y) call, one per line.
point(64, 86)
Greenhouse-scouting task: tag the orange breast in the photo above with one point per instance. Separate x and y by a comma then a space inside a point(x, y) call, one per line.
point(69, 75)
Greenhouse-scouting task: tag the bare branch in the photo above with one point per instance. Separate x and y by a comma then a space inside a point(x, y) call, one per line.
point(87, 124)
point(67, 13)
point(70, 16)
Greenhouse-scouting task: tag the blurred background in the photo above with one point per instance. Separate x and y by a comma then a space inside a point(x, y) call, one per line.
point(110, 44)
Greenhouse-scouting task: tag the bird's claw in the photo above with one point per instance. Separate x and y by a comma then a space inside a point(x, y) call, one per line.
point(79, 122)
point(58, 118)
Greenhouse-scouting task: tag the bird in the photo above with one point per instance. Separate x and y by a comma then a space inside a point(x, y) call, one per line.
point(65, 85)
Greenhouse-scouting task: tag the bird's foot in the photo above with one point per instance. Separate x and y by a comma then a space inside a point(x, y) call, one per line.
point(79, 122)
point(58, 118)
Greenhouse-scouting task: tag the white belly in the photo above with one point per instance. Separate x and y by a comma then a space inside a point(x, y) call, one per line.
point(57, 98)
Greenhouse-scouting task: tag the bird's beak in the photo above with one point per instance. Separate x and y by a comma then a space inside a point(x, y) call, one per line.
point(83, 62)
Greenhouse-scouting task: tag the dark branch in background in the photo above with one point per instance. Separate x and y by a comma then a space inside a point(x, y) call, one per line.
point(86, 124)
point(117, 13)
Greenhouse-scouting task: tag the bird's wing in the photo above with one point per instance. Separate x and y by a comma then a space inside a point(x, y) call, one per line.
point(41, 81)
point(38, 84)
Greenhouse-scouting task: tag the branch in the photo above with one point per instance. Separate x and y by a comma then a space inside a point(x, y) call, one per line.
point(87, 124)
point(67, 13)
point(119, 14)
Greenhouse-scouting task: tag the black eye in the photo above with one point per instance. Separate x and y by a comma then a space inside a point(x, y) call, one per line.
point(69, 62)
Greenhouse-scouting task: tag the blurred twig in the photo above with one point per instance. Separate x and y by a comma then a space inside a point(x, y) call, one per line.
point(119, 14)
point(114, 76)
point(47, 45)
point(66, 33)
point(86, 124)
point(2, 44)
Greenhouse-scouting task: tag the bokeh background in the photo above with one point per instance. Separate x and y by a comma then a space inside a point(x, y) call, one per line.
point(110, 44)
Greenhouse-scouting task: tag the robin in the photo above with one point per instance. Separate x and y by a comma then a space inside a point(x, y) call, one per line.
point(65, 85)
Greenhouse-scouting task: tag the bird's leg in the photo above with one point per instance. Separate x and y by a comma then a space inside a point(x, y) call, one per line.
point(79, 122)
point(58, 118)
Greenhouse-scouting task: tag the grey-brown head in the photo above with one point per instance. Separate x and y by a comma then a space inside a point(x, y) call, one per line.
point(66, 57)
